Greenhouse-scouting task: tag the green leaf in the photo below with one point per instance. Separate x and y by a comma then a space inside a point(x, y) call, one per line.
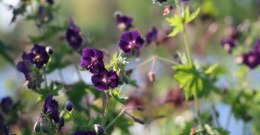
point(176, 30)
point(191, 80)
point(120, 98)
point(176, 20)
point(193, 16)
point(187, 13)
point(211, 69)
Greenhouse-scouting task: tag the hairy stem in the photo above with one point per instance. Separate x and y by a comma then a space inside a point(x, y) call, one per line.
point(197, 108)
point(45, 78)
point(166, 60)
point(187, 45)
point(106, 109)
point(122, 111)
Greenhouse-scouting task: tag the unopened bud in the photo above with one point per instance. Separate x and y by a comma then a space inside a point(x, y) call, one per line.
point(49, 50)
point(99, 130)
point(37, 126)
point(126, 79)
point(140, 108)
point(45, 125)
point(61, 122)
point(117, 14)
point(68, 105)
point(151, 76)
point(167, 10)
point(129, 71)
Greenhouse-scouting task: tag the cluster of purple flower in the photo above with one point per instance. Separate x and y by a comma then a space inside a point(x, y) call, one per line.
point(92, 60)
point(38, 57)
point(51, 110)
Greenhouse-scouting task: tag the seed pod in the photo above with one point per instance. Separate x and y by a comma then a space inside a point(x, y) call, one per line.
point(61, 122)
point(45, 125)
point(129, 71)
point(99, 130)
point(49, 50)
point(126, 79)
point(151, 76)
point(68, 105)
point(37, 126)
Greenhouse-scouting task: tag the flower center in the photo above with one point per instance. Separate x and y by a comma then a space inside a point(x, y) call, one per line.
point(106, 80)
point(38, 58)
point(251, 59)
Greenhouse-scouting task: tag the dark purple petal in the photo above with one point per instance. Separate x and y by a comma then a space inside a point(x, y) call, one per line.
point(6, 104)
point(151, 36)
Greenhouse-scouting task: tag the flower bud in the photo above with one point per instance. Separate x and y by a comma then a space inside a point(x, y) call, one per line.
point(37, 126)
point(126, 79)
point(151, 76)
point(117, 14)
point(49, 50)
point(45, 125)
point(129, 71)
point(61, 122)
point(99, 130)
point(167, 10)
point(68, 105)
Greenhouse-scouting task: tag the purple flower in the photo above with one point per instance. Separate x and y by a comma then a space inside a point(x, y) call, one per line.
point(151, 36)
point(51, 107)
point(124, 23)
point(130, 42)
point(104, 79)
point(73, 36)
point(25, 65)
point(6, 104)
point(38, 55)
point(228, 44)
point(92, 60)
point(251, 59)
point(81, 132)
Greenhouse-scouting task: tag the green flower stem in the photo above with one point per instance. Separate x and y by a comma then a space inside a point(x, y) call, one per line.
point(187, 45)
point(45, 78)
point(120, 53)
point(122, 111)
point(177, 5)
point(143, 63)
point(166, 60)
point(76, 67)
point(198, 109)
point(71, 117)
point(106, 109)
